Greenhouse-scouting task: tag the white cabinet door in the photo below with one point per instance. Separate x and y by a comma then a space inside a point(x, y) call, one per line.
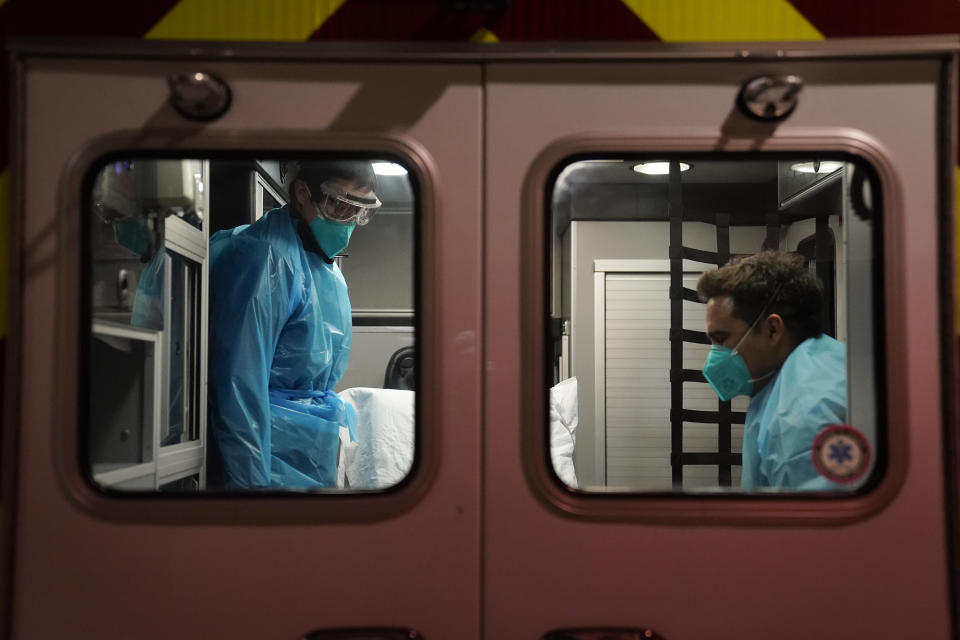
point(97, 566)
point(703, 566)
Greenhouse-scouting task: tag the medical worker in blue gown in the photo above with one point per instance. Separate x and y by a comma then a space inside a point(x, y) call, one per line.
point(280, 329)
point(763, 320)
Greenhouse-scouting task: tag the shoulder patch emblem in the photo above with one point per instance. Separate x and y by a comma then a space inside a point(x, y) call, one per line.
point(841, 453)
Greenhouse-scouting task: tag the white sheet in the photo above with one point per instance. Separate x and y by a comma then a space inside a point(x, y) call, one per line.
point(383, 453)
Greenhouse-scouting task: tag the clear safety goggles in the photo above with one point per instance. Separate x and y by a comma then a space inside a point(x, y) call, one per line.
point(341, 205)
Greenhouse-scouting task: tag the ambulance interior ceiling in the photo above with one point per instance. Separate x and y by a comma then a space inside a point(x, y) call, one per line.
point(747, 190)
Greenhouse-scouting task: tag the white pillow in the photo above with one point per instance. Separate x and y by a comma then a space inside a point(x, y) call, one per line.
point(564, 417)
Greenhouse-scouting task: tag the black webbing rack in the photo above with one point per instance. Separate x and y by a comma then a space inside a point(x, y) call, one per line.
point(819, 250)
point(724, 417)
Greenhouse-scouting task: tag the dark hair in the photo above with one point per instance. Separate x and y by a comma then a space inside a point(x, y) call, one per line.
point(752, 282)
point(356, 171)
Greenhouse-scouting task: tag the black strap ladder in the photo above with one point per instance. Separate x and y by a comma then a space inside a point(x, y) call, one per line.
point(724, 417)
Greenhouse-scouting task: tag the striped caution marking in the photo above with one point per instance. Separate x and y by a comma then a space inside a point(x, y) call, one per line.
point(731, 20)
point(292, 20)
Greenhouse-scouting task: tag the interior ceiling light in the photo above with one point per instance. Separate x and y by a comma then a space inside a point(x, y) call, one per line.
point(657, 168)
point(827, 166)
point(388, 169)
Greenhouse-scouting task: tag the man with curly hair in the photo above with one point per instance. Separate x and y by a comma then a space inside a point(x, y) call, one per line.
point(763, 322)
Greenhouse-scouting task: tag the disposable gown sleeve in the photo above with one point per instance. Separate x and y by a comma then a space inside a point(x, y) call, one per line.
point(787, 459)
point(148, 303)
point(251, 290)
point(305, 437)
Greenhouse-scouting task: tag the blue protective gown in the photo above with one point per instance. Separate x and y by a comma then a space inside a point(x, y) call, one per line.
point(280, 330)
point(808, 393)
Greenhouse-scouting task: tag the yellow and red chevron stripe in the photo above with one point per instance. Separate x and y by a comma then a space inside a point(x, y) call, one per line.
point(292, 20)
point(732, 20)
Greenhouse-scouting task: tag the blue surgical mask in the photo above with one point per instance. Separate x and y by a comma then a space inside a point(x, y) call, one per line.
point(333, 237)
point(727, 373)
point(725, 369)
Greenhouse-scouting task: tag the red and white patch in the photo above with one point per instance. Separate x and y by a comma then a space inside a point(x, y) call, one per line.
point(841, 453)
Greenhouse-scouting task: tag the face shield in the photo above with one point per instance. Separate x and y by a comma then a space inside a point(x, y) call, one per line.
point(340, 204)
